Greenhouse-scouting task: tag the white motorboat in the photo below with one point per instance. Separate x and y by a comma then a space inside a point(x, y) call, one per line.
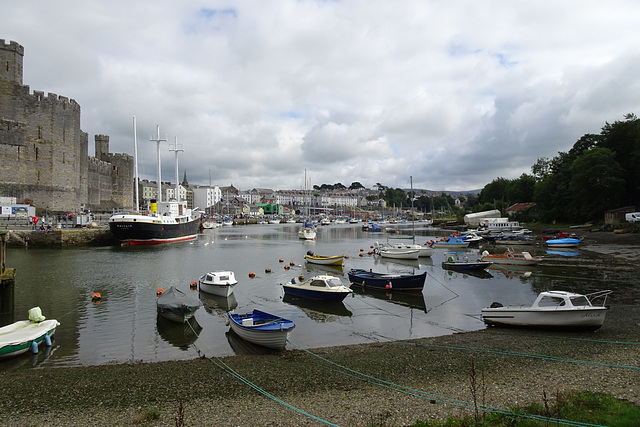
point(551, 310)
point(393, 252)
point(218, 283)
point(307, 232)
point(321, 287)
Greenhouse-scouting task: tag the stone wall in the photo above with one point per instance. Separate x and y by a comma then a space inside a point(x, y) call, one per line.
point(44, 152)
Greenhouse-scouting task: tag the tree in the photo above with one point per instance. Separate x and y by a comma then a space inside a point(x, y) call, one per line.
point(597, 183)
point(521, 190)
point(356, 186)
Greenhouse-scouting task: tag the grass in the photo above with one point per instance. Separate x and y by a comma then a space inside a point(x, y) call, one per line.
point(578, 407)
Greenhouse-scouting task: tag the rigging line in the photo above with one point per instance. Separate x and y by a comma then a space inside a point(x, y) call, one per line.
point(423, 394)
point(226, 368)
point(442, 284)
point(514, 353)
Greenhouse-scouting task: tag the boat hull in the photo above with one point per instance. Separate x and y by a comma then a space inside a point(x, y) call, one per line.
point(176, 306)
point(217, 290)
point(313, 294)
point(324, 260)
point(388, 281)
point(273, 334)
point(465, 266)
point(143, 230)
point(590, 318)
point(17, 338)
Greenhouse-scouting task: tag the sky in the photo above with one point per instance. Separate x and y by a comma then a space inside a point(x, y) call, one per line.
point(444, 95)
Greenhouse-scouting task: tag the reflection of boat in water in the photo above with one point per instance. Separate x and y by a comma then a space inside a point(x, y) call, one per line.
point(180, 335)
point(512, 271)
point(325, 269)
point(481, 274)
point(408, 262)
point(412, 299)
point(242, 347)
point(320, 311)
point(563, 253)
point(214, 304)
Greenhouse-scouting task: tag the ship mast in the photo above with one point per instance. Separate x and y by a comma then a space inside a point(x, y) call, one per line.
point(177, 147)
point(158, 141)
point(135, 163)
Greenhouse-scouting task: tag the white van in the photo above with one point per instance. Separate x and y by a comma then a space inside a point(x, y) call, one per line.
point(632, 217)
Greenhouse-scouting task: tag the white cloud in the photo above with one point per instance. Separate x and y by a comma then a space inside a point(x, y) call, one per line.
point(454, 94)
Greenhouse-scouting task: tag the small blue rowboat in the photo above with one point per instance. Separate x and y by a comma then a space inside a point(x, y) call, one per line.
point(261, 328)
point(567, 242)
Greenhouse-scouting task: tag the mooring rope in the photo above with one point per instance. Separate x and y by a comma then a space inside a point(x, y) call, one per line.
point(226, 368)
point(442, 399)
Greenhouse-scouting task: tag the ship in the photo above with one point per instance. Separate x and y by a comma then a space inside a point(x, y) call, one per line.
point(165, 222)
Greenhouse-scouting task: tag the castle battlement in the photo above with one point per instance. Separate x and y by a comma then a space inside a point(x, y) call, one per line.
point(12, 46)
point(39, 96)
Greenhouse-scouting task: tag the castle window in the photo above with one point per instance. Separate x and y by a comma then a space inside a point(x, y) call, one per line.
point(7, 65)
point(37, 159)
point(39, 132)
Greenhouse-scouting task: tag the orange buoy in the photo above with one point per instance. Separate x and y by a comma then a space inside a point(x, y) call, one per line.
point(286, 267)
point(267, 270)
point(160, 292)
point(96, 296)
point(281, 260)
point(346, 256)
point(301, 277)
point(292, 263)
point(252, 274)
point(371, 246)
point(193, 285)
point(361, 249)
point(361, 254)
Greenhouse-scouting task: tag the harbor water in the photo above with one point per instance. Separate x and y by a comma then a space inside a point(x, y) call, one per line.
point(123, 327)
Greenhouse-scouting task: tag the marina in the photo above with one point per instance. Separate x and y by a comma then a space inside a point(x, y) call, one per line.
point(124, 327)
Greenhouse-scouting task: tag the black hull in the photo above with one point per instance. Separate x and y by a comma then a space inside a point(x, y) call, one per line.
point(385, 282)
point(140, 233)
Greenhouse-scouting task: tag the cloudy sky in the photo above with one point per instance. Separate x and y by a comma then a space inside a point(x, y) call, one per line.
point(452, 93)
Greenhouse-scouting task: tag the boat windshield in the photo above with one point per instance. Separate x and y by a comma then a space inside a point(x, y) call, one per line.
point(334, 283)
point(580, 301)
point(548, 301)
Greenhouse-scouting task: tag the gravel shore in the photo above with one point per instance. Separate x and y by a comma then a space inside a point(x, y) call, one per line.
point(390, 383)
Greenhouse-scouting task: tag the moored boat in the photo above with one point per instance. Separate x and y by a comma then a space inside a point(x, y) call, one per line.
point(175, 305)
point(567, 242)
point(387, 281)
point(261, 328)
point(463, 263)
point(307, 231)
point(452, 241)
point(323, 260)
point(26, 335)
point(320, 287)
point(552, 310)
point(219, 283)
point(511, 257)
point(396, 251)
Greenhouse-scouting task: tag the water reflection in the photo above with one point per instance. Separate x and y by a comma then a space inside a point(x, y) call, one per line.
point(412, 299)
point(217, 305)
point(320, 311)
point(180, 335)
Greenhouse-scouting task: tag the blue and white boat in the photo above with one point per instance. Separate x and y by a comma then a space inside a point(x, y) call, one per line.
point(371, 226)
point(261, 328)
point(452, 241)
point(567, 242)
point(321, 287)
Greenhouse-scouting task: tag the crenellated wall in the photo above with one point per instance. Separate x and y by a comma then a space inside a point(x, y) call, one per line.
point(44, 152)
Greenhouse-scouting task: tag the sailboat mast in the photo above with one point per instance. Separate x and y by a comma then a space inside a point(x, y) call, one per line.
point(158, 141)
point(135, 163)
point(413, 218)
point(177, 148)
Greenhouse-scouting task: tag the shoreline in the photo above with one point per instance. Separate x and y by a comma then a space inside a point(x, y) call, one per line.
point(319, 382)
point(509, 363)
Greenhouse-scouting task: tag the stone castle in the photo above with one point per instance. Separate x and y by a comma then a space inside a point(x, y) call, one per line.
point(44, 152)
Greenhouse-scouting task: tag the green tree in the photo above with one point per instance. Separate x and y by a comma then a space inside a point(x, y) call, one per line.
point(521, 190)
point(597, 183)
point(356, 186)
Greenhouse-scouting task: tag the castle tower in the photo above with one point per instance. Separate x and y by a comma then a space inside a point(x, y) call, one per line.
point(11, 60)
point(102, 147)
